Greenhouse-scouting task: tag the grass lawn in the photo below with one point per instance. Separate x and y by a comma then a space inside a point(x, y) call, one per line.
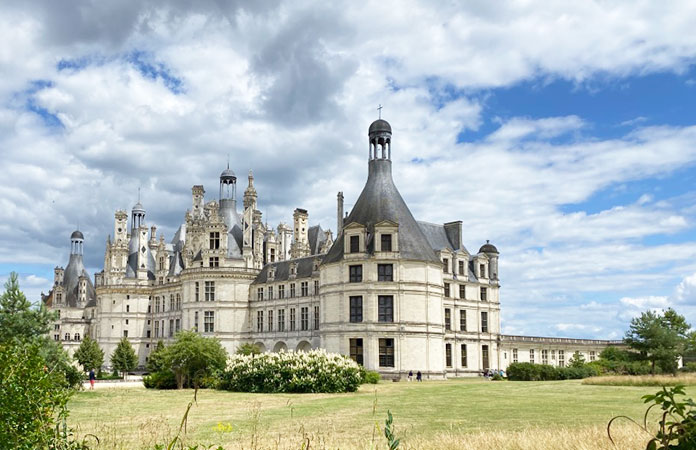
point(436, 414)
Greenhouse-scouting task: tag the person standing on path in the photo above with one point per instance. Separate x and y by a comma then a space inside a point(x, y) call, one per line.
point(92, 379)
point(419, 376)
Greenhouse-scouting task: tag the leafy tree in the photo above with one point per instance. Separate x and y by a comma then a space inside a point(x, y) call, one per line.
point(248, 349)
point(89, 355)
point(659, 338)
point(612, 353)
point(577, 360)
point(124, 358)
point(192, 357)
point(18, 320)
point(157, 359)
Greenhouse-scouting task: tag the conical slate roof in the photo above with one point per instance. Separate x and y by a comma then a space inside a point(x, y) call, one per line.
point(379, 201)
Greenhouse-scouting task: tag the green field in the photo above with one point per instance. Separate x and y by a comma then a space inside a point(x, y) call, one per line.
point(444, 414)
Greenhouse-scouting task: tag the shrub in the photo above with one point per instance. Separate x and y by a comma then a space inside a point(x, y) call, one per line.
point(314, 371)
point(369, 376)
point(193, 358)
point(577, 373)
point(531, 372)
point(497, 377)
point(163, 379)
point(689, 367)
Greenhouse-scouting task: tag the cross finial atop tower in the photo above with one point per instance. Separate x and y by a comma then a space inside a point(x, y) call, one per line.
point(138, 194)
point(379, 108)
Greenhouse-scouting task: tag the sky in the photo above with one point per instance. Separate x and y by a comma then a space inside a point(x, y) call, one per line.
point(563, 132)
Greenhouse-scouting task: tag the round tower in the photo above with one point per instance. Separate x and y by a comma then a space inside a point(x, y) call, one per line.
point(492, 252)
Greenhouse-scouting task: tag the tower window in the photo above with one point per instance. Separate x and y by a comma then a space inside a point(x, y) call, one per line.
point(259, 321)
point(462, 291)
point(356, 350)
point(385, 308)
point(386, 352)
point(215, 240)
point(484, 294)
point(385, 272)
point(355, 274)
point(448, 355)
point(462, 320)
point(355, 244)
point(447, 289)
point(386, 242)
point(214, 261)
point(304, 288)
point(445, 265)
point(448, 319)
point(356, 312)
point(304, 318)
point(482, 270)
point(464, 358)
point(209, 321)
point(281, 291)
point(209, 291)
point(484, 322)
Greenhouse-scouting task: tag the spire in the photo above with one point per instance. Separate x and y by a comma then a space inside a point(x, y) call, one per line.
point(250, 192)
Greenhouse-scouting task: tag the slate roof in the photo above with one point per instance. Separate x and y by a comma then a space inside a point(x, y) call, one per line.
point(316, 237)
point(71, 278)
point(305, 268)
point(380, 200)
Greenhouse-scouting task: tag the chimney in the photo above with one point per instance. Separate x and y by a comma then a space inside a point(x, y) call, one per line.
point(454, 233)
point(339, 214)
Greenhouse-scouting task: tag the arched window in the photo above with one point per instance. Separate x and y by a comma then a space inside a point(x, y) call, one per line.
point(67, 336)
point(77, 336)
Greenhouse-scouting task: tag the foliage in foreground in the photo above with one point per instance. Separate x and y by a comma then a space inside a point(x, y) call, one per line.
point(314, 371)
point(677, 423)
point(543, 372)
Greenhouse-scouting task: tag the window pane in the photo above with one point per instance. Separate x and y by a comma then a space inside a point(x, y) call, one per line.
point(385, 307)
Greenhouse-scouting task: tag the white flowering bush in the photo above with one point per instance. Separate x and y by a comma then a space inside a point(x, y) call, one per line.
point(314, 371)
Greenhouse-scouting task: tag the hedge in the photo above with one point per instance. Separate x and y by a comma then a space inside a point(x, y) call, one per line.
point(544, 372)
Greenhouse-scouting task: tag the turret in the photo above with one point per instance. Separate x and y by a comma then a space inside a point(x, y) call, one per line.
point(197, 194)
point(250, 195)
point(300, 244)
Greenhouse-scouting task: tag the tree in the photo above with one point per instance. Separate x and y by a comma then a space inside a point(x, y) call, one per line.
point(659, 338)
point(248, 349)
point(124, 358)
point(89, 355)
point(192, 357)
point(577, 360)
point(157, 359)
point(18, 320)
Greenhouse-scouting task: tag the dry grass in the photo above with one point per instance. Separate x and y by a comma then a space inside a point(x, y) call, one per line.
point(688, 379)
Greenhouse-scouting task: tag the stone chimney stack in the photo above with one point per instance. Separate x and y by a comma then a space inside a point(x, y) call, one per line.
point(300, 244)
point(339, 214)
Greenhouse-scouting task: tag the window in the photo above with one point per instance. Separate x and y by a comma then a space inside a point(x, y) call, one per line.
point(270, 320)
point(484, 357)
point(270, 292)
point(561, 358)
point(482, 270)
point(592, 355)
point(355, 244)
point(171, 327)
point(67, 336)
point(156, 328)
point(316, 317)
point(161, 263)
point(386, 352)
point(465, 363)
point(214, 240)
point(304, 318)
point(448, 319)
point(445, 265)
point(178, 325)
point(259, 321)
point(127, 308)
point(157, 305)
point(195, 322)
point(447, 290)
point(281, 320)
point(209, 291)
point(355, 274)
point(209, 321)
point(484, 322)
point(292, 290)
point(316, 287)
point(385, 272)
point(386, 242)
point(461, 268)
point(514, 355)
point(197, 291)
point(304, 288)
point(484, 294)
point(356, 314)
point(448, 355)
point(77, 336)
point(126, 321)
point(462, 291)
point(125, 333)
point(272, 255)
point(292, 319)
point(356, 350)
point(59, 296)
point(214, 261)
point(58, 313)
point(531, 355)
point(178, 301)
point(281, 291)
point(56, 337)
point(553, 355)
point(385, 308)
point(259, 294)
point(171, 302)
point(544, 356)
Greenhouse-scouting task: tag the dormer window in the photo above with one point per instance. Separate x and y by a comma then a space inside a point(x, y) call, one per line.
point(355, 244)
point(482, 270)
point(386, 242)
point(293, 269)
point(445, 265)
point(461, 267)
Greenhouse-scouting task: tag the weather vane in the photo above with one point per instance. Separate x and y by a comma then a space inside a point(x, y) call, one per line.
point(379, 108)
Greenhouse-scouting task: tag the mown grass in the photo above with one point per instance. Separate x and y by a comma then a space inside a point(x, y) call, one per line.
point(446, 414)
point(688, 379)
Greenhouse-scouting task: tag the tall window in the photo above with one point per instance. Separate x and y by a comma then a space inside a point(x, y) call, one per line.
point(281, 291)
point(484, 357)
point(484, 322)
point(561, 358)
point(484, 294)
point(259, 321)
point(209, 291)
point(171, 327)
point(270, 320)
point(385, 272)
point(448, 319)
point(515, 357)
point(292, 290)
point(462, 320)
point(316, 287)
point(292, 319)
point(356, 350)
point(281, 320)
point(386, 352)
point(445, 265)
point(77, 336)
point(304, 288)
point(178, 301)
point(355, 244)
point(592, 355)
point(462, 291)
point(385, 308)
point(214, 261)
point(386, 242)
point(531, 355)
point(465, 362)
point(156, 328)
point(209, 321)
point(171, 302)
point(270, 292)
point(195, 322)
point(356, 313)
point(304, 318)
point(448, 355)
point(214, 240)
point(178, 325)
point(482, 270)
point(125, 333)
point(67, 336)
point(355, 274)
point(157, 304)
point(461, 267)
point(259, 293)
point(316, 317)
point(59, 297)
point(447, 290)
point(544, 356)
point(196, 295)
